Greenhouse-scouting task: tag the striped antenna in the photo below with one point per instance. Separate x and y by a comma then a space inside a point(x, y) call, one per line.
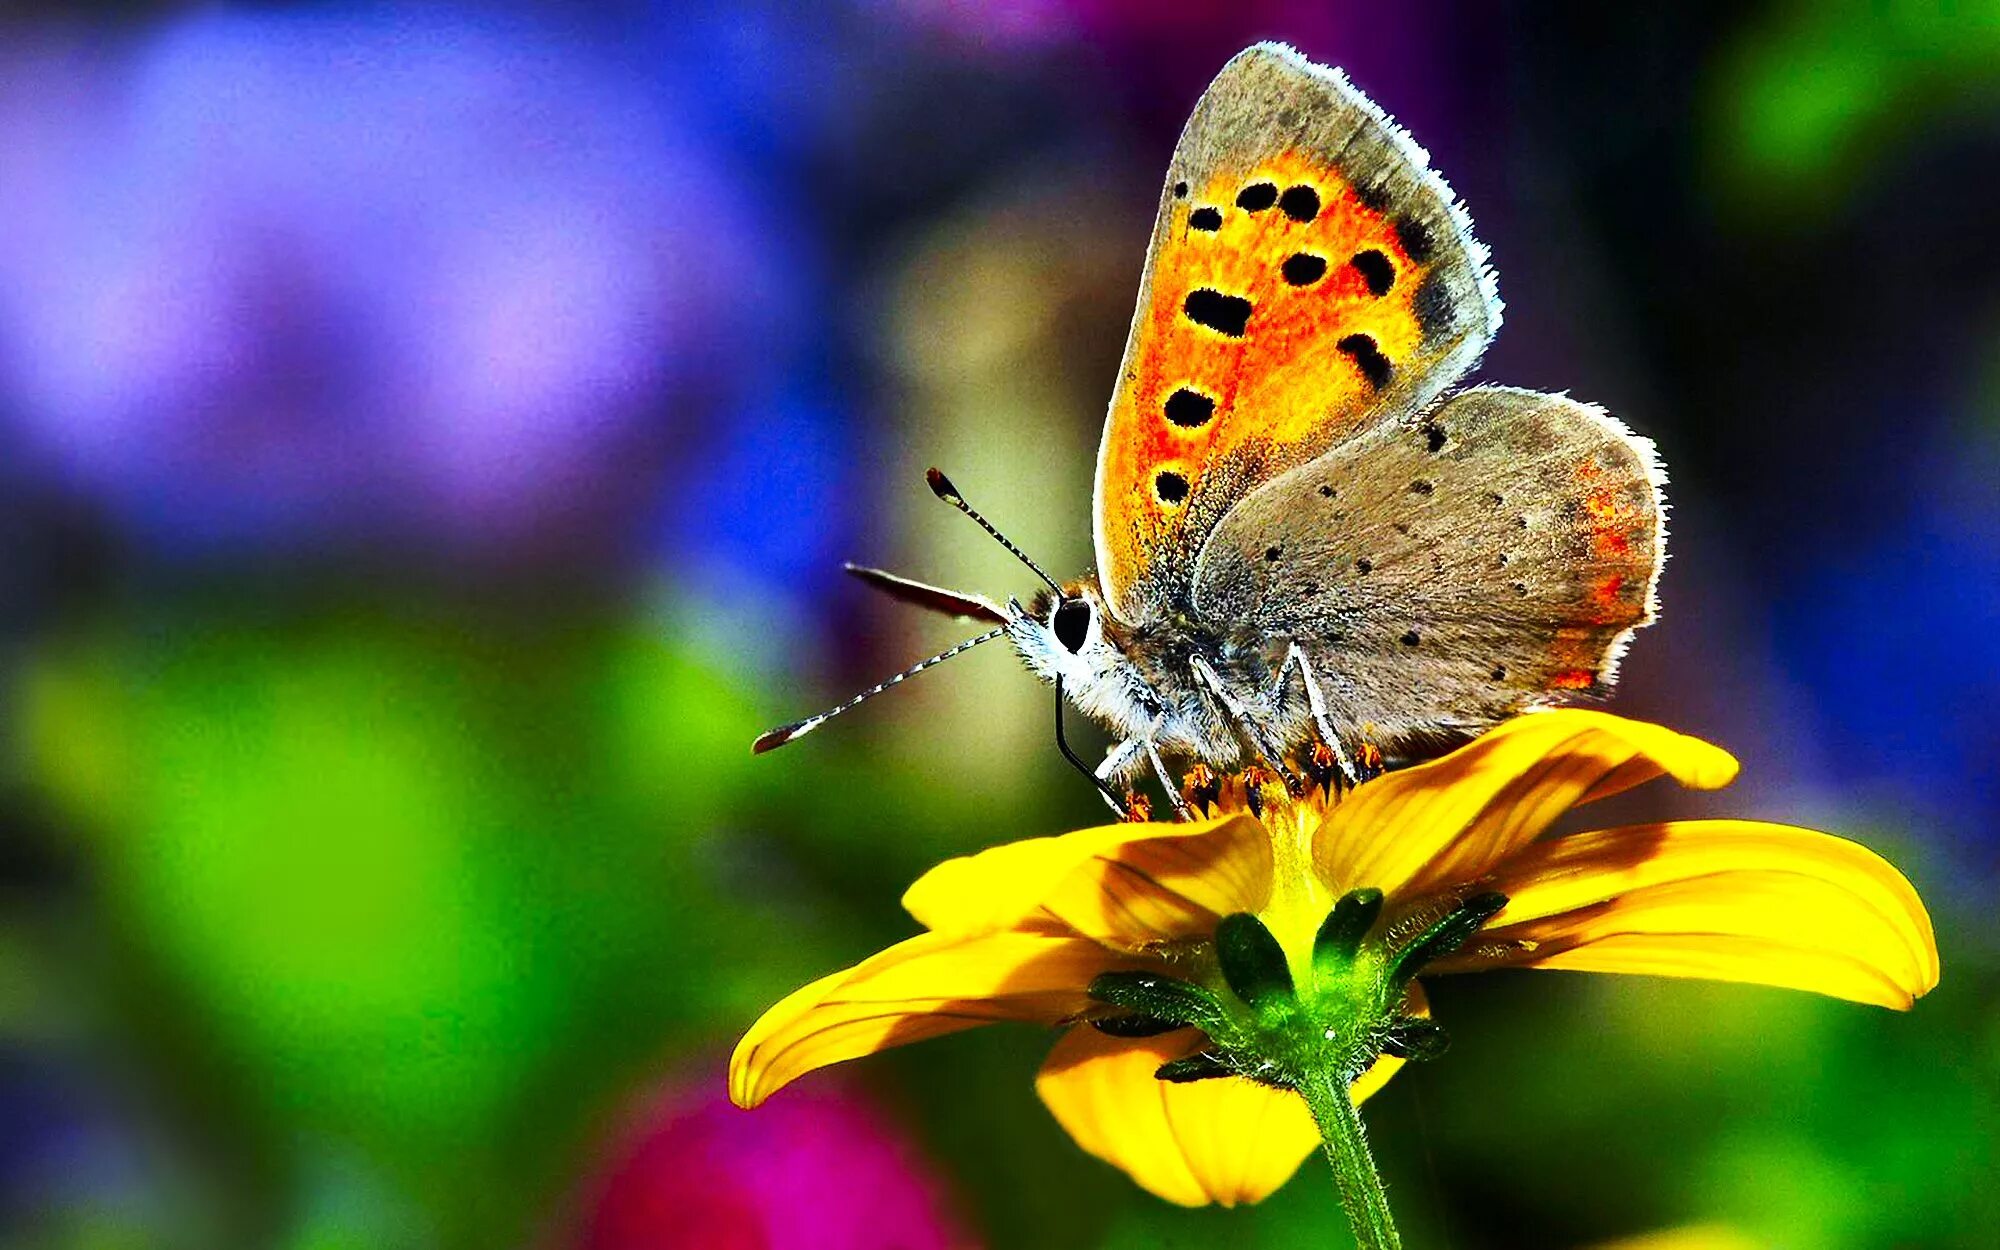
point(941, 487)
point(799, 729)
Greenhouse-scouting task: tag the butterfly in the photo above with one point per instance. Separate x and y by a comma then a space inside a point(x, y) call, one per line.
point(1304, 545)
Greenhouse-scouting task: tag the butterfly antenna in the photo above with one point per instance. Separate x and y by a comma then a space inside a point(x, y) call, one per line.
point(941, 487)
point(799, 729)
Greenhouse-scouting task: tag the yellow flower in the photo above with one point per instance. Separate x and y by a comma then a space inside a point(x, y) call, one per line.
point(1026, 931)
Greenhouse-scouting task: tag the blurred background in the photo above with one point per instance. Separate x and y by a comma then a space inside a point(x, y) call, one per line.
point(428, 438)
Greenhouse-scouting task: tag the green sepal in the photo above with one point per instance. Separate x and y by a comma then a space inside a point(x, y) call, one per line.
point(1341, 933)
point(1415, 1038)
point(1445, 935)
point(1133, 1025)
point(1159, 997)
point(1203, 1066)
point(1252, 961)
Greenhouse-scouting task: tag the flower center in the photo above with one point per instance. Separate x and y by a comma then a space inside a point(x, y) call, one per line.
point(1299, 899)
point(1310, 987)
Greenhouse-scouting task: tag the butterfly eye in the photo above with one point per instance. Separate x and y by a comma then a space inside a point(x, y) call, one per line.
point(1071, 624)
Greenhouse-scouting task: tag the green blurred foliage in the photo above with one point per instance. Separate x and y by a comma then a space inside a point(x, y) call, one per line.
point(423, 884)
point(401, 908)
point(1799, 1120)
point(1813, 97)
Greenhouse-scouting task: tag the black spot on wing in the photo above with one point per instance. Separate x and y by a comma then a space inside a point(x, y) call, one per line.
point(1180, 190)
point(1303, 268)
point(1432, 305)
point(1301, 203)
point(1434, 438)
point(1415, 236)
point(1257, 197)
point(1411, 638)
point(1209, 219)
point(1172, 487)
point(1375, 270)
point(1226, 314)
point(1189, 409)
point(1374, 365)
point(1374, 198)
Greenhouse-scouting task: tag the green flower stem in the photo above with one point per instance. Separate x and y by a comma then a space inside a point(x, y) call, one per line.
point(1353, 1166)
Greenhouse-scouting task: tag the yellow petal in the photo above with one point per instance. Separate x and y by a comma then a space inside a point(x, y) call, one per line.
point(927, 986)
point(1445, 823)
point(1721, 899)
point(1225, 1140)
point(1129, 884)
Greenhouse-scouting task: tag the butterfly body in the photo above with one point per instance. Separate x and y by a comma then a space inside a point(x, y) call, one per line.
point(1303, 533)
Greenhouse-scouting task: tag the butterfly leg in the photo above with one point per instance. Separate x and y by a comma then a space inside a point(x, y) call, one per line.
point(1121, 757)
point(1168, 783)
point(1247, 722)
point(1116, 761)
point(1296, 658)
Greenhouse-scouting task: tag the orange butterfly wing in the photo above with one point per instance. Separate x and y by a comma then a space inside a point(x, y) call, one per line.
point(1308, 278)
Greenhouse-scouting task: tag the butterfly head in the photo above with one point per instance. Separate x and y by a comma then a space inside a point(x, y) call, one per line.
point(1068, 635)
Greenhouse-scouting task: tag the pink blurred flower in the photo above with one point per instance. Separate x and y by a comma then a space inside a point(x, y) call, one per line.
point(826, 1171)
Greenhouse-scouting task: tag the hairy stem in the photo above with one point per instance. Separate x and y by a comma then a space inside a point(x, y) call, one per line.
point(1354, 1171)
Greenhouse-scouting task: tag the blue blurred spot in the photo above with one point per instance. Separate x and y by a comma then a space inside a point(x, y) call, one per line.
point(1900, 648)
